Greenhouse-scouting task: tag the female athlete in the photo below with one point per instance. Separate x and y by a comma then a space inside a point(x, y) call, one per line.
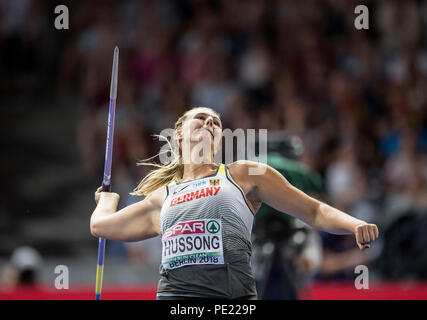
point(204, 212)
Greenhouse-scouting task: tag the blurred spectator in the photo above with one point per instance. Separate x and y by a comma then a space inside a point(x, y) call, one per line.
point(23, 269)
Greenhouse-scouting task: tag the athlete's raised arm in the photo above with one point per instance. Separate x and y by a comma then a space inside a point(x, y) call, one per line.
point(273, 189)
point(136, 222)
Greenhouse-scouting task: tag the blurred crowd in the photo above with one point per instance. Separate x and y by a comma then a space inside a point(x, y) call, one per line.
point(356, 98)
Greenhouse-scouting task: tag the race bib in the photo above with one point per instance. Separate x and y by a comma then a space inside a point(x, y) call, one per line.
point(193, 242)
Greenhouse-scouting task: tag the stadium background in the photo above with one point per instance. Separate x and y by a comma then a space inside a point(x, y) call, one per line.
point(356, 99)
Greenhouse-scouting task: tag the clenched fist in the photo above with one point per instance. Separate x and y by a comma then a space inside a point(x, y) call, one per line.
point(113, 195)
point(365, 234)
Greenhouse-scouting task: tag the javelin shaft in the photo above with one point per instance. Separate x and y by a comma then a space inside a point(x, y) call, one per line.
point(106, 181)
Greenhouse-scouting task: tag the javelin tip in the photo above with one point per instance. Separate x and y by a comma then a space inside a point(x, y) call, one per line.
point(113, 86)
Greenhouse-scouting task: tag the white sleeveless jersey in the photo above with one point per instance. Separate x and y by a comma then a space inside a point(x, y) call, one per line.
point(206, 226)
point(204, 219)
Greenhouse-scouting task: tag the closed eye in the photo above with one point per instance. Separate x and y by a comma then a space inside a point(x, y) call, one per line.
point(203, 116)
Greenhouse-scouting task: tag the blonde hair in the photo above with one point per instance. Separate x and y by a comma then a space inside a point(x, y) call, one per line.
point(165, 174)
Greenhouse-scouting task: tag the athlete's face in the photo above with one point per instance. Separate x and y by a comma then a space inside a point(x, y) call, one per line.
point(202, 126)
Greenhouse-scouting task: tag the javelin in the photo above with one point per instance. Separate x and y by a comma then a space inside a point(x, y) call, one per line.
point(106, 182)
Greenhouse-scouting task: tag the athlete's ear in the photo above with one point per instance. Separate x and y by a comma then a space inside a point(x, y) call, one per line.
point(177, 135)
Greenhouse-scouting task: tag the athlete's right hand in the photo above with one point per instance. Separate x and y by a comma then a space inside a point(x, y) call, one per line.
point(111, 195)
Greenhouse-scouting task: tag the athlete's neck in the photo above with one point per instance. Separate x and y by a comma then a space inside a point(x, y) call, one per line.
point(196, 171)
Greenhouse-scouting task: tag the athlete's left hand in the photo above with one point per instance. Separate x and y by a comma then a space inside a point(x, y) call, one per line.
point(366, 233)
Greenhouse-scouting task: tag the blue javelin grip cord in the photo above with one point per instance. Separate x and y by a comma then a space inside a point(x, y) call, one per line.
point(106, 182)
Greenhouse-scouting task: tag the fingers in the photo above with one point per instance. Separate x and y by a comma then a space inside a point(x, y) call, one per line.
point(371, 232)
point(359, 238)
point(97, 194)
point(365, 234)
point(377, 233)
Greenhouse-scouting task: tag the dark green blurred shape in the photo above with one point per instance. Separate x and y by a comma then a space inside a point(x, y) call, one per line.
point(270, 223)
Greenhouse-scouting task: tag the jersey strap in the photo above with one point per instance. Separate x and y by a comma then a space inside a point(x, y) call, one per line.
point(221, 169)
point(173, 182)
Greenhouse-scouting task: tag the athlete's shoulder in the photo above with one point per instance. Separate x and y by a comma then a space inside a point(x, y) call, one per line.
point(157, 196)
point(245, 168)
point(241, 164)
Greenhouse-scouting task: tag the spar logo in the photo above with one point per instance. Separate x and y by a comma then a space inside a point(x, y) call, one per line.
point(192, 227)
point(189, 227)
point(212, 226)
